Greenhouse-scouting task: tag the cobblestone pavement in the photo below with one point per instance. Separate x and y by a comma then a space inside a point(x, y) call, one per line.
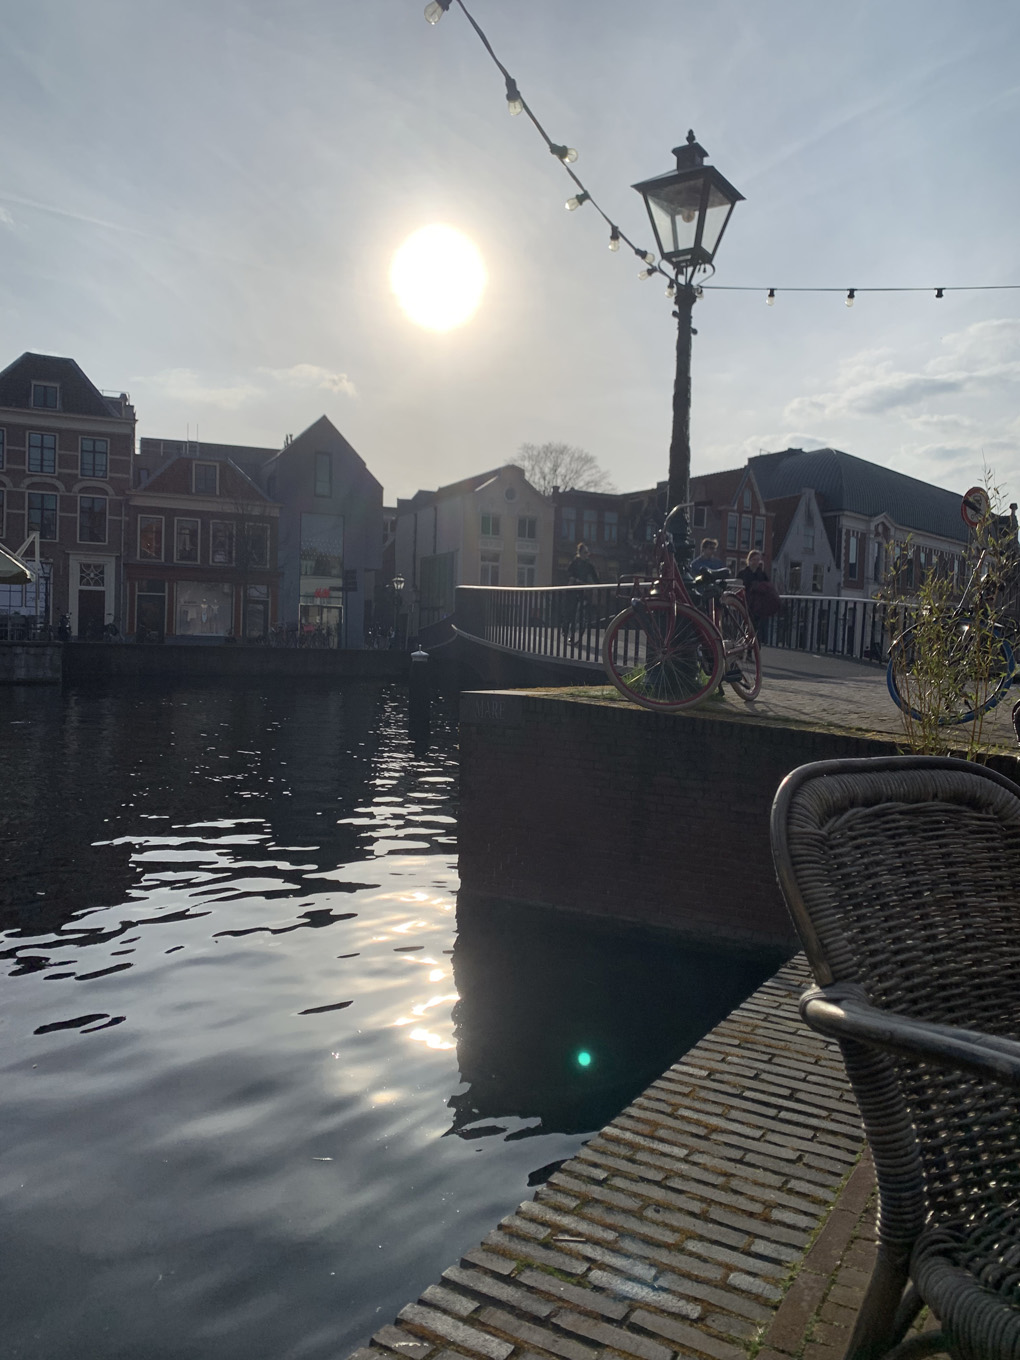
point(823, 691)
point(681, 1229)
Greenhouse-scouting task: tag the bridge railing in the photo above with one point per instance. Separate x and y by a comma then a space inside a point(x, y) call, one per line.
point(834, 625)
point(560, 622)
point(569, 622)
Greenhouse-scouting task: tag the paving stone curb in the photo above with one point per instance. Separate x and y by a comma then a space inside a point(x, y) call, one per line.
point(706, 1220)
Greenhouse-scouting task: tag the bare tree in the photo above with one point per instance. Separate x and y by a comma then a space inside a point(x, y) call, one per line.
point(562, 465)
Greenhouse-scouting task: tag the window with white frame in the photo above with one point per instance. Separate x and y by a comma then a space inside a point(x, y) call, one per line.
point(42, 514)
point(94, 457)
point(759, 532)
point(489, 575)
point(699, 517)
point(745, 533)
point(490, 527)
point(150, 538)
point(527, 526)
point(92, 519)
point(817, 578)
point(46, 396)
point(205, 479)
point(221, 543)
point(795, 570)
point(809, 540)
point(732, 526)
point(256, 538)
point(610, 526)
point(568, 523)
point(851, 556)
point(747, 498)
point(186, 540)
point(42, 452)
point(525, 570)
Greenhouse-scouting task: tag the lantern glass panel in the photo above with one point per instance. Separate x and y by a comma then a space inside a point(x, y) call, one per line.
point(716, 215)
point(674, 209)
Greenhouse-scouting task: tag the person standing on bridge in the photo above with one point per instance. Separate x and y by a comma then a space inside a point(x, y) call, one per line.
point(762, 597)
point(580, 572)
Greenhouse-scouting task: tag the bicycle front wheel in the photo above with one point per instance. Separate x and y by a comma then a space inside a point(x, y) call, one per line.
point(743, 655)
point(952, 675)
point(663, 656)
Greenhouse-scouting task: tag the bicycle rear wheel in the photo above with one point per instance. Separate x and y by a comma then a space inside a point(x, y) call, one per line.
point(663, 656)
point(973, 674)
point(742, 668)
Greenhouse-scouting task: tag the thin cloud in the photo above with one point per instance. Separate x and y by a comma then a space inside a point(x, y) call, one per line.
point(185, 385)
point(307, 376)
point(6, 220)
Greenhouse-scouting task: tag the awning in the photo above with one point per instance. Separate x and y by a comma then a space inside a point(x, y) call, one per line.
point(12, 570)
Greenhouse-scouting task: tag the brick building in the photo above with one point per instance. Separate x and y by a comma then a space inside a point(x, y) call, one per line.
point(65, 468)
point(200, 549)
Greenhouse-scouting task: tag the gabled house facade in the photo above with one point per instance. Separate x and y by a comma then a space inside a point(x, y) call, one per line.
point(66, 450)
point(331, 515)
point(729, 507)
point(877, 521)
point(492, 529)
point(201, 551)
point(803, 562)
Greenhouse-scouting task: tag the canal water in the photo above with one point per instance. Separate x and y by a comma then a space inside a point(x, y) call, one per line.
point(261, 1077)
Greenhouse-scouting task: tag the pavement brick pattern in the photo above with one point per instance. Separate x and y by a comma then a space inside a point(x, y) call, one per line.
point(724, 1212)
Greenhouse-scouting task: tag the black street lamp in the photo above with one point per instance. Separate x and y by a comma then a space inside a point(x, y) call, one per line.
point(689, 209)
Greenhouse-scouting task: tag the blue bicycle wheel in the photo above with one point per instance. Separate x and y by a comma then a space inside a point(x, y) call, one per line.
point(970, 682)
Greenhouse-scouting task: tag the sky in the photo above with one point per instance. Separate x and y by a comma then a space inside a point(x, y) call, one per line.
point(200, 203)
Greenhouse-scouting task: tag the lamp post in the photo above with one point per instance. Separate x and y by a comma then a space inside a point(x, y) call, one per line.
point(397, 585)
point(689, 209)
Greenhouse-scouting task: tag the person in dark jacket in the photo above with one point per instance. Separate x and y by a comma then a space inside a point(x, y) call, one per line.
point(754, 576)
point(580, 572)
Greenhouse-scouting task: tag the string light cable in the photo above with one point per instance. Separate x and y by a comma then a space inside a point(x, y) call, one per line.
point(675, 278)
point(566, 155)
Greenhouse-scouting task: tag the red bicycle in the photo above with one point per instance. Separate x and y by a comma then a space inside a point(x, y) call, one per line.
point(682, 637)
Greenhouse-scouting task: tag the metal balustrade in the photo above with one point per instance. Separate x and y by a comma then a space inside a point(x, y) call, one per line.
point(568, 623)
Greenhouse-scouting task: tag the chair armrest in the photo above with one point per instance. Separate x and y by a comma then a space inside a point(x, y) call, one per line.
point(836, 1012)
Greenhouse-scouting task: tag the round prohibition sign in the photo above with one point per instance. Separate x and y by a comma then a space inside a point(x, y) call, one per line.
point(975, 507)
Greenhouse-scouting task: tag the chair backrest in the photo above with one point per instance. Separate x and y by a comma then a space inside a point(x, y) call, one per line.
point(902, 875)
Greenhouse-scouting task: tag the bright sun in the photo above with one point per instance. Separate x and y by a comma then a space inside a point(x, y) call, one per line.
point(438, 277)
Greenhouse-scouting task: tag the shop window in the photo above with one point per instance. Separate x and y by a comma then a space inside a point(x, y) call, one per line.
point(204, 609)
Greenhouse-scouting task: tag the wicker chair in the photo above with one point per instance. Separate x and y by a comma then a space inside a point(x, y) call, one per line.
point(903, 879)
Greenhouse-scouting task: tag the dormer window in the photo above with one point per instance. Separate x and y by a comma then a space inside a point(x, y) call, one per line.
point(206, 479)
point(46, 396)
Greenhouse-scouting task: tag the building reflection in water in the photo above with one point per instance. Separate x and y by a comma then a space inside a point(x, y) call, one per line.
point(563, 1020)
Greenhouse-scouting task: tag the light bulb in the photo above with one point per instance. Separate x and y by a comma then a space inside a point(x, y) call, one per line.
point(670, 290)
point(648, 257)
point(687, 214)
point(572, 204)
point(614, 238)
point(567, 154)
point(514, 102)
point(646, 273)
point(771, 299)
point(850, 297)
point(435, 10)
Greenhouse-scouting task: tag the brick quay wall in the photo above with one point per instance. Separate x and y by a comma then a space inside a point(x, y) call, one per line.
point(613, 811)
point(706, 1220)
